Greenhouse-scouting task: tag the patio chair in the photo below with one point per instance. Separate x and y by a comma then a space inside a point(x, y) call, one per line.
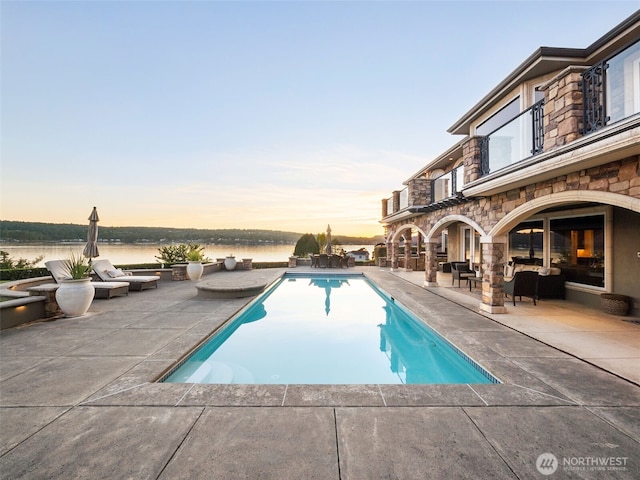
point(59, 272)
point(523, 284)
point(459, 271)
point(108, 273)
point(323, 260)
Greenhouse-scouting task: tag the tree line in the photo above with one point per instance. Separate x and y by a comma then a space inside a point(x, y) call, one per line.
point(15, 231)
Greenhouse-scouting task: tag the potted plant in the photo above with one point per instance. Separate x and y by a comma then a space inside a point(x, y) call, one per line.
point(75, 294)
point(230, 262)
point(195, 268)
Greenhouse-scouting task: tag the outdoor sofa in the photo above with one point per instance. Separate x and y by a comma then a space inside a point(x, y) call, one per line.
point(550, 279)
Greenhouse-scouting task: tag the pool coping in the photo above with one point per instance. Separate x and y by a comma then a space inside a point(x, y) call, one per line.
point(520, 385)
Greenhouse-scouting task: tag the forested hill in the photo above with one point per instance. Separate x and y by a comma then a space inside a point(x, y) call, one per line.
point(13, 231)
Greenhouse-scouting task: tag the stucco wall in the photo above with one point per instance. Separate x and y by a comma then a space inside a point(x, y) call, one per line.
point(626, 264)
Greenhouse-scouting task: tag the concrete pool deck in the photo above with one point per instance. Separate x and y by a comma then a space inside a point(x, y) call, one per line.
point(78, 399)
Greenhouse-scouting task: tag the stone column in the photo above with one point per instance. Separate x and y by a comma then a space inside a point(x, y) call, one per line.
point(431, 264)
point(471, 154)
point(396, 200)
point(385, 204)
point(563, 108)
point(419, 190)
point(408, 267)
point(493, 257)
point(179, 273)
point(392, 254)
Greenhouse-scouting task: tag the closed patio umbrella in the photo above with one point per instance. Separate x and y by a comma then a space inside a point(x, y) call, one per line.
point(91, 248)
point(530, 231)
point(328, 249)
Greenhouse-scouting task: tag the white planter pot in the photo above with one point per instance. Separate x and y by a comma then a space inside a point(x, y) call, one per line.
point(194, 271)
point(230, 263)
point(74, 297)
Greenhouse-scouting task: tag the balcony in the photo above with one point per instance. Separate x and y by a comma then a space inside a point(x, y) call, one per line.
point(518, 139)
point(404, 198)
point(611, 89)
point(610, 93)
point(447, 186)
point(444, 190)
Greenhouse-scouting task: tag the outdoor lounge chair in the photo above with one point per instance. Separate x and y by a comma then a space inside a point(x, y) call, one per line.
point(460, 271)
point(59, 271)
point(108, 273)
point(523, 284)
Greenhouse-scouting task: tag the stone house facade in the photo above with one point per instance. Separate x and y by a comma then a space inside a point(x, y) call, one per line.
point(548, 173)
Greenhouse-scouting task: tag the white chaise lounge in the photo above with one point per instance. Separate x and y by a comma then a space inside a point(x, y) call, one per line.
point(108, 273)
point(60, 271)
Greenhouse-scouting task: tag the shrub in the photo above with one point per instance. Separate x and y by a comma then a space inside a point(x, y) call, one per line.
point(6, 262)
point(9, 275)
point(306, 244)
point(180, 253)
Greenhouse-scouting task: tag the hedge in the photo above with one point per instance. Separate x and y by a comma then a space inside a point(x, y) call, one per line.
point(9, 275)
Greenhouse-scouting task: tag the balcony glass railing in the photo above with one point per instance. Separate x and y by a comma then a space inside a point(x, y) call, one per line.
point(447, 185)
point(623, 84)
point(404, 198)
point(444, 187)
point(516, 140)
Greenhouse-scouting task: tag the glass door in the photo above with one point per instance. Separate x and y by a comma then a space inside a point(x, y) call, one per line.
point(470, 246)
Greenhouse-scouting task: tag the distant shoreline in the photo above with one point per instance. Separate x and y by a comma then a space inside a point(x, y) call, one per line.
point(12, 232)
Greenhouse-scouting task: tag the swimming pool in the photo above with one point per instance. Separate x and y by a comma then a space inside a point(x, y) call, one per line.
point(327, 329)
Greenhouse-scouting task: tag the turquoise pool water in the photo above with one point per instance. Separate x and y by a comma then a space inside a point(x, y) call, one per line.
point(327, 329)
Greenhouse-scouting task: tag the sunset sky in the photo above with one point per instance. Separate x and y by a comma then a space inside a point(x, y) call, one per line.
point(272, 115)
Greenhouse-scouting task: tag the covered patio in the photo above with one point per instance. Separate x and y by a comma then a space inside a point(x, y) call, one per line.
point(606, 341)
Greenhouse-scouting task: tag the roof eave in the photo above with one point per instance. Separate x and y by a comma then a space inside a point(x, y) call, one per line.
point(546, 60)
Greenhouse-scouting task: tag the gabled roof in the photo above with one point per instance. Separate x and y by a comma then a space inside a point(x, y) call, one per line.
point(550, 59)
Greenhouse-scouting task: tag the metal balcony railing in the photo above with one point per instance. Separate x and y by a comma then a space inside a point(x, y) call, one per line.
point(610, 89)
point(520, 138)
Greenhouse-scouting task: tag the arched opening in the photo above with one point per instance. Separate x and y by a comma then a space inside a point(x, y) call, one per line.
point(460, 237)
point(582, 236)
point(406, 248)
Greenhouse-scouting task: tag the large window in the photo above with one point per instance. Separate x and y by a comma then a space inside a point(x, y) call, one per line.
point(507, 113)
point(611, 89)
point(623, 84)
point(577, 247)
point(470, 245)
point(526, 243)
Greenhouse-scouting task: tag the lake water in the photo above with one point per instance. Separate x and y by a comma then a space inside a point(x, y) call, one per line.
point(123, 254)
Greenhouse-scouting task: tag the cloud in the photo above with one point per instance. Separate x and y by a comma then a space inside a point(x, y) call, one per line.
point(278, 190)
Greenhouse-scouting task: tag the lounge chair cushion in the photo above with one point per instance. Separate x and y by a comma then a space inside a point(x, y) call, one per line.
point(116, 273)
point(104, 266)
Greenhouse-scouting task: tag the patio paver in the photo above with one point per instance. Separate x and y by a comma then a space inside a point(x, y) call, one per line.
point(78, 399)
